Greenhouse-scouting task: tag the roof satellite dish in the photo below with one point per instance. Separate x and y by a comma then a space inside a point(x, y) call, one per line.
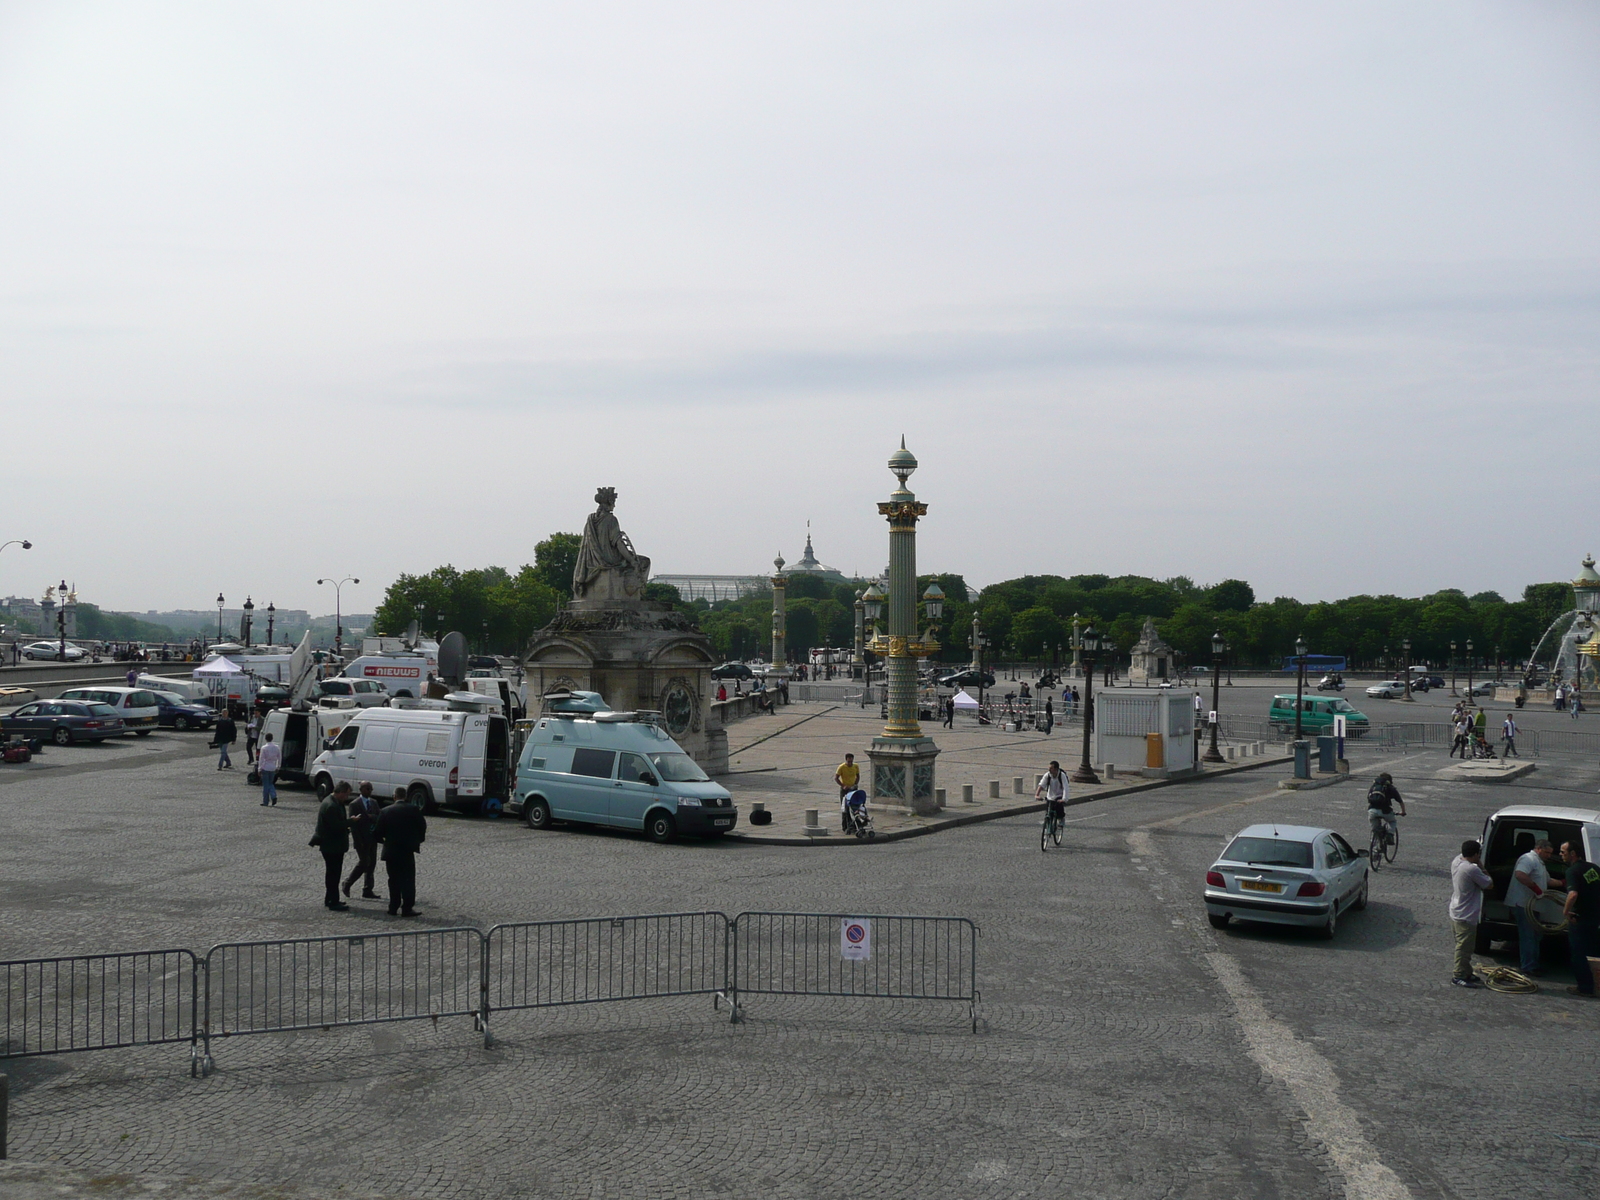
point(453, 659)
point(411, 635)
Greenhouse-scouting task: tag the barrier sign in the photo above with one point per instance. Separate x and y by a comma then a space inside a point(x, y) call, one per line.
point(855, 939)
point(1338, 727)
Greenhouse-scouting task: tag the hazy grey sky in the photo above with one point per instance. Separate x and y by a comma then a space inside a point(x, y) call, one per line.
point(1303, 293)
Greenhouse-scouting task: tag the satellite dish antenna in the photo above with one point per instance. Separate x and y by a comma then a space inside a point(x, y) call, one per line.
point(453, 659)
point(411, 635)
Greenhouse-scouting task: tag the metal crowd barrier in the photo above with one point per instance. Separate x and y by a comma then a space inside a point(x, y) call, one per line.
point(101, 1002)
point(319, 983)
point(150, 997)
point(895, 957)
point(546, 964)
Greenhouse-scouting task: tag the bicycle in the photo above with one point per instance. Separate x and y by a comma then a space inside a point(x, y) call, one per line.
point(1054, 824)
point(1385, 844)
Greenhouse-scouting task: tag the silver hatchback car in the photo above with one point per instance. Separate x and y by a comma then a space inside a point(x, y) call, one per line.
point(1286, 875)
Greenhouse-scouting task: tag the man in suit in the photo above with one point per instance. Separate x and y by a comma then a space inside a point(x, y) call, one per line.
point(333, 839)
point(363, 833)
point(402, 829)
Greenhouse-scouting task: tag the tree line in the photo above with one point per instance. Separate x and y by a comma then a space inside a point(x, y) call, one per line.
point(1026, 619)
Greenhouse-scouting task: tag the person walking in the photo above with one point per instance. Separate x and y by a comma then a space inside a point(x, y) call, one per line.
point(1575, 702)
point(402, 829)
point(1582, 911)
point(1463, 728)
point(950, 712)
point(1508, 731)
point(332, 837)
point(364, 836)
point(267, 764)
point(1529, 879)
point(848, 778)
point(1468, 883)
point(227, 734)
point(252, 732)
point(1561, 697)
point(1049, 715)
point(1076, 700)
point(1480, 727)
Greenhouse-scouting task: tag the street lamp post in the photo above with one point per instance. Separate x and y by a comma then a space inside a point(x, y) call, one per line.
point(23, 542)
point(1089, 646)
point(338, 610)
point(272, 612)
point(902, 755)
point(1299, 687)
point(1499, 665)
point(245, 622)
point(61, 620)
point(1469, 666)
point(1405, 645)
point(1453, 691)
point(1218, 648)
point(220, 603)
point(860, 663)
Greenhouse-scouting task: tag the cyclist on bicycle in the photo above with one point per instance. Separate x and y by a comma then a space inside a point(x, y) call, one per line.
point(1053, 790)
point(1382, 797)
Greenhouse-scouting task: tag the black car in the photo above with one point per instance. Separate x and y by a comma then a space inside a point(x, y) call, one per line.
point(271, 697)
point(64, 721)
point(732, 670)
point(967, 678)
point(177, 713)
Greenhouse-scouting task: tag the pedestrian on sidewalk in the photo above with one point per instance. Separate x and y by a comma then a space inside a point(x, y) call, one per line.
point(1508, 731)
point(332, 837)
point(227, 733)
point(1468, 883)
point(1575, 702)
point(267, 764)
point(402, 829)
point(364, 836)
point(950, 712)
point(1480, 726)
point(1582, 911)
point(1049, 715)
point(1463, 728)
point(848, 775)
point(252, 731)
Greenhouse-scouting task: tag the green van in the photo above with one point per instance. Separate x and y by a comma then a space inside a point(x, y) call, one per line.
point(1316, 715)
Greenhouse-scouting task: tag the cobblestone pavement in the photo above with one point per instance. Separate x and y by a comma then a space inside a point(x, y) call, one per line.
point(1125, 1048)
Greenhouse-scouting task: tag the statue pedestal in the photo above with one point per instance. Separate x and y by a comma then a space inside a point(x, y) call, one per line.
point(902, 774)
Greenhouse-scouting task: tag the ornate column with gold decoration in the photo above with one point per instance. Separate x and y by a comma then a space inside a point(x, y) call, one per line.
point(902, 756)
point(780, 593)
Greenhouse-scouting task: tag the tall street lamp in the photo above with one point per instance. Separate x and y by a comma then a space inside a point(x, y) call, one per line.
point(1299, 687)
point(23, 542)
point(1469, 666)
point(61, 620)
point(1405, 645)
point(272, 612)
point(902, 755)
point(1453, 691)
point(245, 622)
point(338, 610)
point(1218, 648)
point(1088, 646)
point(220, 603)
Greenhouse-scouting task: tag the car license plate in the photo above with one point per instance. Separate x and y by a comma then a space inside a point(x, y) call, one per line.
point(723, 821)
point(1257, 885)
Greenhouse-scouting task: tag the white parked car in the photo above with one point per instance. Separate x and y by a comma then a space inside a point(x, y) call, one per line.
point(1389, 689)
point(1286, 875)
point(51, 651)
point(367, 693)
point(1485, 688)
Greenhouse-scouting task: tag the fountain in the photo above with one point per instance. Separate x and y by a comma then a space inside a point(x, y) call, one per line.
point(1574, 661)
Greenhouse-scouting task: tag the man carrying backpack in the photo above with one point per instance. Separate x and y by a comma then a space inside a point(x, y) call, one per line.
point(1382, 797)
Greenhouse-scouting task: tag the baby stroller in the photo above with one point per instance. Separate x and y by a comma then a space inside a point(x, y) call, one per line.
point(1481, 748)
point(854, 816)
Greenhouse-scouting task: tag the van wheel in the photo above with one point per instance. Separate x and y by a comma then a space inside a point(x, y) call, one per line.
point(660, 827)
point(324, 786)
point(536, 812)
point(419, 795)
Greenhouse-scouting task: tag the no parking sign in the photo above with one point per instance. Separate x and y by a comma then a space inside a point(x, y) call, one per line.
point(855, 939)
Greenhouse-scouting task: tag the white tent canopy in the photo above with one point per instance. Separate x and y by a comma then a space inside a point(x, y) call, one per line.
point(218, 666)
point(964, 701)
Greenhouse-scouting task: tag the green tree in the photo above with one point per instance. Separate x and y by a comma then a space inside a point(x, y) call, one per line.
point(1231, 595)
point(555, 558)
point(1035, 632)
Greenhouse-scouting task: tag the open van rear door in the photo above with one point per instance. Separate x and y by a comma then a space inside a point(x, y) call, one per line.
point(474, 744)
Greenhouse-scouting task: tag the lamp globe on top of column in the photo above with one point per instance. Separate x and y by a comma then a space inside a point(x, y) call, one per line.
point(872, 602)
point(933, 606)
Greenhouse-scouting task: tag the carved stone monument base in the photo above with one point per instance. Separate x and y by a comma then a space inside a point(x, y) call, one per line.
point(902, 774)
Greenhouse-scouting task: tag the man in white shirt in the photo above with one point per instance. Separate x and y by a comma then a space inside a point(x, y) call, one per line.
point(1052, 789)
point(268, 759)
point(1529, 879)
point(1468, 883)
point(1509, 732)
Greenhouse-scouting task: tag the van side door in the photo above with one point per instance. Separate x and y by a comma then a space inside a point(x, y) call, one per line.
point(474, 742)
point(633, 790)
point(586, 792)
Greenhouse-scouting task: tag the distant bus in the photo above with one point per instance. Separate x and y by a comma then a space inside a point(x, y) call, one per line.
point(1315, 663)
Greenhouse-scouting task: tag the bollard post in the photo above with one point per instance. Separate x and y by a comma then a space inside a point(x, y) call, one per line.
point(5, 1103)
point(994, 789)
point(966, 794)
point(813, 827)
point(1016, 786)
point(1111, 770)
point(939, 797)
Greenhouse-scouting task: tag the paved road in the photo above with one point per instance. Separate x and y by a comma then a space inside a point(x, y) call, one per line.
point(1126, 1049)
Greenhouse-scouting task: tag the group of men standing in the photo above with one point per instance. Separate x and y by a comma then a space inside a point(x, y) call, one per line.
point(400, 828)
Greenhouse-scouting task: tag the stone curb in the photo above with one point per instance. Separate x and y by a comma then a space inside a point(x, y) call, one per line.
point(1014, 810)
point(1316, 781)
point(1468, 773)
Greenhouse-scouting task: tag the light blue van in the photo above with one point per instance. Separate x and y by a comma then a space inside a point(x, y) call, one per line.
point(585, 764)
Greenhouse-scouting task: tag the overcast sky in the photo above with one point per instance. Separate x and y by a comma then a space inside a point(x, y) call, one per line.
point(1306, 294)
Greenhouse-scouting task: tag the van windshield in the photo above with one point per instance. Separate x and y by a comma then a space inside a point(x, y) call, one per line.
point(678, 768)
